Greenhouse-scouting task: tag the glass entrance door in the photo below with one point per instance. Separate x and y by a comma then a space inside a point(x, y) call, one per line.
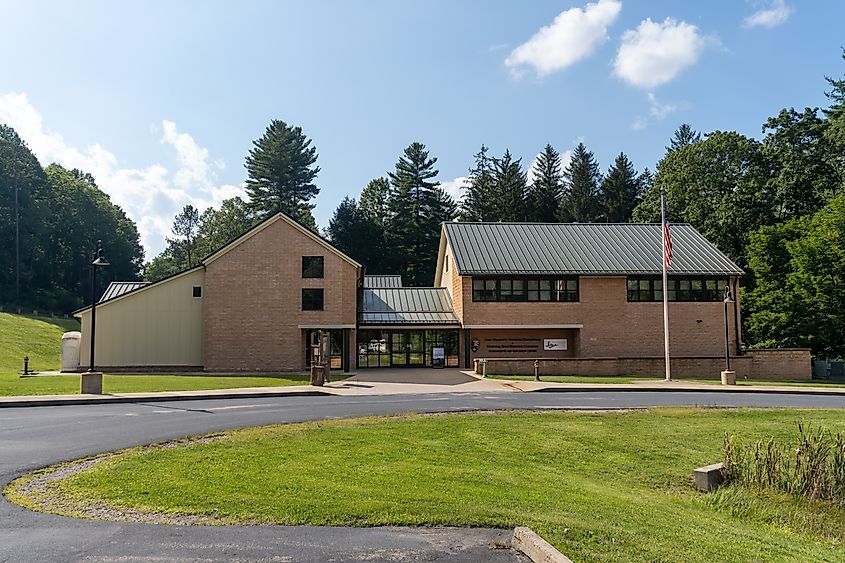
point(406, 349)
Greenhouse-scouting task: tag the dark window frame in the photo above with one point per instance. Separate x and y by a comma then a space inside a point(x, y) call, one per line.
point(310, 301)
point(685, 289)
point(309, 270)
point(528, 289)
point(197, 291)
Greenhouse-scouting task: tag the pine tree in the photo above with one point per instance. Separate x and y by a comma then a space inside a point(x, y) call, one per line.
point(543, 199)
point(621, 191)
point(374, 200)
point(352, 231)
point(581, 181)
point(185, 225)
point(508, 189)
point(446, 209)
point(416, 210)
point(683, 136)
point(282, 170)
point(477, 204)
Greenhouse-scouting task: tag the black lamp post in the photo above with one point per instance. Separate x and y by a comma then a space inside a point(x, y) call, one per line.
point(728, 299)
point(99, 262)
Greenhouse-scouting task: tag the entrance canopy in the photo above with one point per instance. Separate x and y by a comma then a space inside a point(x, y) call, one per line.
point(403, 306)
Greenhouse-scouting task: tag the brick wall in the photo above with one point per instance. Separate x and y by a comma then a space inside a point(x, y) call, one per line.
point(252, 310)
point(787, 364)
point(612, 327)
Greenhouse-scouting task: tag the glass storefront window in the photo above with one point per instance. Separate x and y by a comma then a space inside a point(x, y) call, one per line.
point(405, 348)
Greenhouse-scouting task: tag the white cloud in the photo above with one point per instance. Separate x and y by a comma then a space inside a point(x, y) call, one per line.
point(774, 13)
point(455, 187)
point(150, 195)
point(655, 53)
point(657, 110)
point(572, 36)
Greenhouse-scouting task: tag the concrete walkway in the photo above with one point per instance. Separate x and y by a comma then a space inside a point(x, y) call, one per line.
point(405, 382)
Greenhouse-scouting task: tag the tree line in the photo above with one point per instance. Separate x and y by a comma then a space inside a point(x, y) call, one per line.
point(50, 221)
point(774, 205)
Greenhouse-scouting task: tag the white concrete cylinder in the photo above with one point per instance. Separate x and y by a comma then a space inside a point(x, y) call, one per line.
point(70, 350)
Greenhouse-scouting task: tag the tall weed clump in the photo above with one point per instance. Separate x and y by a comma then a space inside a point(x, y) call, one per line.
point(814, 468)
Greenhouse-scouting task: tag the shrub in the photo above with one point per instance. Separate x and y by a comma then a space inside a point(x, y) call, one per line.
point(814, 469)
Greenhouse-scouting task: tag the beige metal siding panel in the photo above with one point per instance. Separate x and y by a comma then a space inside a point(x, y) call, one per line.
point(159, 326)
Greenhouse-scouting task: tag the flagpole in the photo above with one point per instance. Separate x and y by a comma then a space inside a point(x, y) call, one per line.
point(665, 286)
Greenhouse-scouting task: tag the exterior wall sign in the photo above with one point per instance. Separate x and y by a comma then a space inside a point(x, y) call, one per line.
point(512, 345)
point(554, 344)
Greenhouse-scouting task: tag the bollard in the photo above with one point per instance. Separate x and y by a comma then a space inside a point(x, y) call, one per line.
point(26, 365)
point(536, 370)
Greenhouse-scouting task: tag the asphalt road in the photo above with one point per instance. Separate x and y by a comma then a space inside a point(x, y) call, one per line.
point(31, 438)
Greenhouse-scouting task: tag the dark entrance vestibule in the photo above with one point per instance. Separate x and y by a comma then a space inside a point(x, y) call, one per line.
point(405, 348)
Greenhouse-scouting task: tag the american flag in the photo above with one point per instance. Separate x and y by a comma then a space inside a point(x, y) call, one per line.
point(667, 236)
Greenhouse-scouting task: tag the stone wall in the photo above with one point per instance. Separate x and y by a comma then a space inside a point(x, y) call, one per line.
point(782, 364)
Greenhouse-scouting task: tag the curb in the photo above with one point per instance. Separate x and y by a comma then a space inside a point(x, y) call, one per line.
point(536, 548)
point(113, 399)
point(763, 391)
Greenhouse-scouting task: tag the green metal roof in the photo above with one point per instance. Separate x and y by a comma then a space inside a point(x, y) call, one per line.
point(407, 305)
point(582, 249)
point(118, 288)
point(373, 282)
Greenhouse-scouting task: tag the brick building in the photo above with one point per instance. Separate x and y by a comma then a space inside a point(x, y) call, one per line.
point(580, 298)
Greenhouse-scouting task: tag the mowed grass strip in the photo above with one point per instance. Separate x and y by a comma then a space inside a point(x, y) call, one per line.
point(600, 487)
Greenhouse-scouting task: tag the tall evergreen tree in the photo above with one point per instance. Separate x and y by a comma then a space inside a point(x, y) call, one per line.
point(446, 209)
point(477, 203)
point(581, 181)
point(282, 170)
point(621, 190)
point(415, 215)
point(354, 232)
point(683, 136)
point(510, 184)
point(544, 193)
point(374, 200)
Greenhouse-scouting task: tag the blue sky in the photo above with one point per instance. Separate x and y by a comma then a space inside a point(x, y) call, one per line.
point(161, 100)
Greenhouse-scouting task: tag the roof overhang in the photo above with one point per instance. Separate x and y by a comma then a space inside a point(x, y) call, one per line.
point(266, 223)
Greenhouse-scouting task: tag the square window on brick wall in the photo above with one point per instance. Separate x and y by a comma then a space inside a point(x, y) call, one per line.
point(312, 299)
point(312, 266)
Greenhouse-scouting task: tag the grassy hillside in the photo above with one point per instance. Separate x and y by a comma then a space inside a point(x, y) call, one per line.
point(40, 338)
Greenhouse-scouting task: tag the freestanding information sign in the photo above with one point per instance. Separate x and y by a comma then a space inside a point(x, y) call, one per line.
point(438, 357)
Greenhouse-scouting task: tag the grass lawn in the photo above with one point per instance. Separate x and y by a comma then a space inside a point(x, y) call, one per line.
point(40, 338)
point(12, 385)
point(600, 487)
